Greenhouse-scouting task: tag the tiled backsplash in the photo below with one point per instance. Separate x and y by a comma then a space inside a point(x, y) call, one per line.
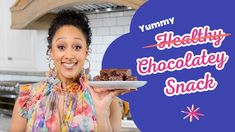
point(106, 28)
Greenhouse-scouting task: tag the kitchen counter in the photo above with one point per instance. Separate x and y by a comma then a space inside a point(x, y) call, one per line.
point(4, 123)
point(22, 73)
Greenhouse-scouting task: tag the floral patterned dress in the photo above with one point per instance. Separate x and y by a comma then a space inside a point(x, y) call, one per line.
point(39, 105)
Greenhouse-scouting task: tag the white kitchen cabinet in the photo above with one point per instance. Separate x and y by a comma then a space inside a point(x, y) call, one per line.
point(2, 40)
point(17, 46)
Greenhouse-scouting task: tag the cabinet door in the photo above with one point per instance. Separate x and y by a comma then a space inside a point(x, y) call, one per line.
point(2, 35)
point(20, 50)
point(18, 45)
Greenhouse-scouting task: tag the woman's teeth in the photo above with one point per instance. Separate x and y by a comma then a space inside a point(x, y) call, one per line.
point(69, 65)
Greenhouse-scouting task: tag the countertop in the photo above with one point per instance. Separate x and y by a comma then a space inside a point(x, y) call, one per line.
point(4, 123)
point(23, 73)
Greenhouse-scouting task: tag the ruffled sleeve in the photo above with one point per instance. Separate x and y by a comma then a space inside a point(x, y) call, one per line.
point(24, 99)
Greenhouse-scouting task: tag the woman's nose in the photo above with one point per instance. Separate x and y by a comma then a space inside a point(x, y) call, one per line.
point(69, 54)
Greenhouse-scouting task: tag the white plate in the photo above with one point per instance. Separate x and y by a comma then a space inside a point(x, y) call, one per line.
point(117, 84)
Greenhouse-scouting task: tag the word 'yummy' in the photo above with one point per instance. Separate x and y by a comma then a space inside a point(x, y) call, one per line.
point(198, 35)
point(157, 24)
point(147, 66)
point(201, 85)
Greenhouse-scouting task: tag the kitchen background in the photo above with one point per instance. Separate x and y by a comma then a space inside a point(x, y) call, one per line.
point(23, 56)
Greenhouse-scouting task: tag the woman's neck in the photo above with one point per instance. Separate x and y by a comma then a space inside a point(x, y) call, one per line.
point(66, 81)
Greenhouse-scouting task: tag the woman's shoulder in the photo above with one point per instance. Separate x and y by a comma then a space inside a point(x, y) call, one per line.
point(28, 95)
point(32, 88)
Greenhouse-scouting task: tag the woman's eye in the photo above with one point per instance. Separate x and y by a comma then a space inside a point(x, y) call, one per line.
point(77, 47)
point(61, 47)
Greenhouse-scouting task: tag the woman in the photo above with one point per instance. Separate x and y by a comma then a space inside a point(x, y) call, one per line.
point(64, 101)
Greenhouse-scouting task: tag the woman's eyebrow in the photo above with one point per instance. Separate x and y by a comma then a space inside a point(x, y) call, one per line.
point(78, 38)
point(59, 38)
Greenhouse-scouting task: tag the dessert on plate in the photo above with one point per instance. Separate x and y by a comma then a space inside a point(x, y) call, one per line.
point(115, 78)
point(115, 74)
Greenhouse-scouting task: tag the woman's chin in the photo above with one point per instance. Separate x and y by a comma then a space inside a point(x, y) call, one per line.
point(70, 75)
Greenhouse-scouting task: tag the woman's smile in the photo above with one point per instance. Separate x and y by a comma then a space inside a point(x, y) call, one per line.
point(69, 66)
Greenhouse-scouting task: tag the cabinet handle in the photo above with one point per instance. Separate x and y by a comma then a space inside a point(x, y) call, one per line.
point(9, 58)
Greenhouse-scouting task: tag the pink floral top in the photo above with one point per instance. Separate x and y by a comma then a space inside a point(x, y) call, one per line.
point(39, 105)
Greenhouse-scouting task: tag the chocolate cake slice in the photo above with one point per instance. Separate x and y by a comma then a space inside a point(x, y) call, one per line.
point(131, 78)
point(115, 74)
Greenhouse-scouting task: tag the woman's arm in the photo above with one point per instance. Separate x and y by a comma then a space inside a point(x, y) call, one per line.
point(111, 120)
point(18, 123)
point(116, 108)
point(106, 107)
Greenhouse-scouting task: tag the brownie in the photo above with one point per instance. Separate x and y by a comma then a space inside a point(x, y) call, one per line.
point(101, 78)
point(97, 78)
point(115, 78)
point(115, 74)
point(131, 78)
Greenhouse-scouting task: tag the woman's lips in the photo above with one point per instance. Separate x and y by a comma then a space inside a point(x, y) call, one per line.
point(69, 66)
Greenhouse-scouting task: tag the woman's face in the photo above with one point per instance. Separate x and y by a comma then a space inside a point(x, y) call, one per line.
point(69, 51)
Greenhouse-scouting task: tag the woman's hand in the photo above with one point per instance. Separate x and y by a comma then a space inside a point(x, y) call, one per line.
point(102, 99)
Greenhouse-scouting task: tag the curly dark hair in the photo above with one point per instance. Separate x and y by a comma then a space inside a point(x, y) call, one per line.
point(69, 17)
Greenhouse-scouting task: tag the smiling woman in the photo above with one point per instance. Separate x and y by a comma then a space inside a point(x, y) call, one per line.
point(64, 101)
point(69, 51)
